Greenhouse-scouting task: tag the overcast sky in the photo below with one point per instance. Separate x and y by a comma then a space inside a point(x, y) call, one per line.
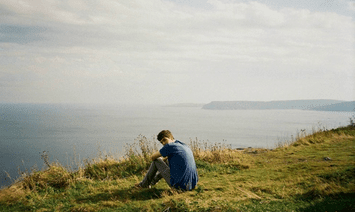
point(176, 51)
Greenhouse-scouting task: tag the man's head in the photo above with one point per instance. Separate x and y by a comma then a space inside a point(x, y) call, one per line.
point(165, 134)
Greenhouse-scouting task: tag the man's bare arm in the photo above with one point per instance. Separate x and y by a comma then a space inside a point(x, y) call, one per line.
point(155, 156)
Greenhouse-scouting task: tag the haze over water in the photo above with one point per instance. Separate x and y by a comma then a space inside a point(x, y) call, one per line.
point(26, 130)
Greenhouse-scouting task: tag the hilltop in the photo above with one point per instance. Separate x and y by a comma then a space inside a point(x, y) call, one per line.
point(313, 173)
point(319, 104)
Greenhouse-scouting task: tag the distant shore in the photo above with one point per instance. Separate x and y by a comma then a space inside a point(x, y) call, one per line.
point(317, 105)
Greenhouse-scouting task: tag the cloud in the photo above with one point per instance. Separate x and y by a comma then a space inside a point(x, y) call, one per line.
point(21, 34)
point(97, 47)
point(351, 5)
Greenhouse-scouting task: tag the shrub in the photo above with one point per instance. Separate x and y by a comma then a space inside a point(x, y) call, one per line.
point(55, 176)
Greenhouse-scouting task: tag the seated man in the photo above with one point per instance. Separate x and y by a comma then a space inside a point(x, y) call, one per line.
point(180, 173)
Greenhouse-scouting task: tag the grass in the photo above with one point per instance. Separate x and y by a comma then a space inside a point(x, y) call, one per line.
point(313, 173)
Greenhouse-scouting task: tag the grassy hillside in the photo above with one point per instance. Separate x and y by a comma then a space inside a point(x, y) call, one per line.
point(314, 173)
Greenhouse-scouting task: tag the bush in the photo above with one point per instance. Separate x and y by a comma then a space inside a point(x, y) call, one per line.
point(56, 176)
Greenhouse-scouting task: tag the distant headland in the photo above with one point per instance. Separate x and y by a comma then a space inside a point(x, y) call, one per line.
point(318, 104)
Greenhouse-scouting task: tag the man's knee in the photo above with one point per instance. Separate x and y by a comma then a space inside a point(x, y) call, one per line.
point(159, 160)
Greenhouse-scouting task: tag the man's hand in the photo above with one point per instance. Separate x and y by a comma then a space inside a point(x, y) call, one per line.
point(155, 156)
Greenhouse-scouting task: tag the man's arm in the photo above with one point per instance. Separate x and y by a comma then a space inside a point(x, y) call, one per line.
point(155, 156)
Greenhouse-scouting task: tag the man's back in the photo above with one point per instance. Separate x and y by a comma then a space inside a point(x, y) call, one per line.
point(183, 172)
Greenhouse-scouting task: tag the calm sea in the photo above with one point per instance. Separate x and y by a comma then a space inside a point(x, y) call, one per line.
point(26, 130)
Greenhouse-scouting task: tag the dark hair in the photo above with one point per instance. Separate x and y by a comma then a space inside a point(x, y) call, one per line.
point(165, 134)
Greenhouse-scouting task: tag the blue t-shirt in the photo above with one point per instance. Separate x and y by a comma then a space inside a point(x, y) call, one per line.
point(183, 172)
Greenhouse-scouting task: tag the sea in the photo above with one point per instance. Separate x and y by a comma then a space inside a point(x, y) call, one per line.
point(69, 134)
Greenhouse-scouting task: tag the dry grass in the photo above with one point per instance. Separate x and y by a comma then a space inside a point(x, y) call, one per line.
point(13, 193)
point(212, 153)
point(55, 176)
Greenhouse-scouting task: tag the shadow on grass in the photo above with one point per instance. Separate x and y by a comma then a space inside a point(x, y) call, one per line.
point(340, 202)
point(124, 195)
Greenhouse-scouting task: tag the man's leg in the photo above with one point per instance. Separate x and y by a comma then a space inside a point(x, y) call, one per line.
point(151, 177)
point(158, 176)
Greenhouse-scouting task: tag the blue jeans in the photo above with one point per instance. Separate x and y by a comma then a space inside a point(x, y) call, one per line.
point(158, 169)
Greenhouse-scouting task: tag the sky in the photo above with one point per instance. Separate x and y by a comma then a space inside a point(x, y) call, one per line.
point(176, 51)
